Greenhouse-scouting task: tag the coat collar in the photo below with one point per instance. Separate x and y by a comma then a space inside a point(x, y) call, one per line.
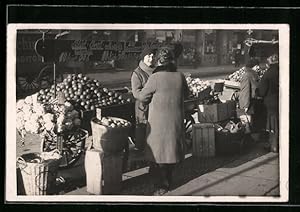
point(146, 68)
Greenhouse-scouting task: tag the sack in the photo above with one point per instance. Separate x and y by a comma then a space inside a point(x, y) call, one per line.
point(247, 122)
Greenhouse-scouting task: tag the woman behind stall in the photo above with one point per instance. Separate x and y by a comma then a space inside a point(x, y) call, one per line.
point(166, 90)
point(268, 88)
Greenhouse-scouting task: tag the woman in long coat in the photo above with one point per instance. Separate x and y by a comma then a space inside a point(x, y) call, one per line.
point(165, 90)
point(269, 89)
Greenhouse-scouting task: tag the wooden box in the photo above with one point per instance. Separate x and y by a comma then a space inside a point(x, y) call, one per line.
point(216, 112)
point(229, 143)
point(112, 173)
point(103, 172)
point(232, 84)
point(203, 140)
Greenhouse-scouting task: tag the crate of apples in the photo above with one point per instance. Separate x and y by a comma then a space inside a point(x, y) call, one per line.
point(196, 85)
point(84, 93)
point(113, 122)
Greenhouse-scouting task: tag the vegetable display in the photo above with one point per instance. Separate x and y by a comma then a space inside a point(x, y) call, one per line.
point(45, 119)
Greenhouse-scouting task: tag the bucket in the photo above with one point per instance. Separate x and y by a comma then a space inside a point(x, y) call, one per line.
point(38, 175)
point(107, 139)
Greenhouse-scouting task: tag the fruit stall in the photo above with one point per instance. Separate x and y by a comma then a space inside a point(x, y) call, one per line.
point(64, 115)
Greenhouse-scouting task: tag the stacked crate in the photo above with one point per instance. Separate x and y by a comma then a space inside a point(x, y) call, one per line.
point(204, 134)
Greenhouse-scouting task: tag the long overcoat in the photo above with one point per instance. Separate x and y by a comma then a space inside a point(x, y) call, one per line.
point(248, 88)
point(269, 89)
point(165, 128)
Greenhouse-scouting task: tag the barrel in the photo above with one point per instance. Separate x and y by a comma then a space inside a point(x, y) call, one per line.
point(108, 139)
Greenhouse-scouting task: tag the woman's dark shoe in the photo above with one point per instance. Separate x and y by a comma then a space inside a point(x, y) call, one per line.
point(160, 192)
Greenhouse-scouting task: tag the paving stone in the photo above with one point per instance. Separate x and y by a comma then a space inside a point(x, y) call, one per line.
point(224, 184)
point(266, 171)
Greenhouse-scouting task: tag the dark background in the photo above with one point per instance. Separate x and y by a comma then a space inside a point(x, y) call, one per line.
point(284, 12)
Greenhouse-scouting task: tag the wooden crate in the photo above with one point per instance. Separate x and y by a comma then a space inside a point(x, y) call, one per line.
point(232, 84)
point(112, 173)
point(216, 112)
point(203, 140)
point(191, 104)
point(229, 143)
point(103, 172)
point(204, 94)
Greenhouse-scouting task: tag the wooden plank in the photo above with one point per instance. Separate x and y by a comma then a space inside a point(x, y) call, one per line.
point(203, 140)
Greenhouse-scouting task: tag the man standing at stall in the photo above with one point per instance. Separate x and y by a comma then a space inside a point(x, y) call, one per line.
point(247, 94)
point(139, 78)
point(268, 88)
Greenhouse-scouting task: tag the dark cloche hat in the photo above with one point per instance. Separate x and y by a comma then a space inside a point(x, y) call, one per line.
point(147, 50)
point(164, 56)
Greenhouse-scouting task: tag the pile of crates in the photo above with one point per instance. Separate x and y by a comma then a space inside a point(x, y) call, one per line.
point(207, 141)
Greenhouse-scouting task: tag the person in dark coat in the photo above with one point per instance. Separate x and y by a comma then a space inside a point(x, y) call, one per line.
point(249, 83)
point(166, 90)
point(139, 78)
point(268, 89)
point(237, 57)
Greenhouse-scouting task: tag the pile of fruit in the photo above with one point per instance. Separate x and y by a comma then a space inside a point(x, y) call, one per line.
point(83, 93)
point(196, 85)
point(113, 122)
point(37, 118)
point(237, 75)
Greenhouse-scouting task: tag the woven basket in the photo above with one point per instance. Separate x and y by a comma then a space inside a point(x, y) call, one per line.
point(38, 176)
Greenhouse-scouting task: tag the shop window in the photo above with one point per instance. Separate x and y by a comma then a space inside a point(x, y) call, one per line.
point(210, 42)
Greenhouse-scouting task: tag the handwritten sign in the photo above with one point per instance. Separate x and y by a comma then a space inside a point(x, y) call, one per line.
point(100, 50)
point(80, 50)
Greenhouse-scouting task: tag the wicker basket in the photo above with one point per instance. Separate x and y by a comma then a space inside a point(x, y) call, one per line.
point(38, 175)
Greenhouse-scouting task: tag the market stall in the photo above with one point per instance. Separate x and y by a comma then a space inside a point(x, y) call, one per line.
point(68, 112)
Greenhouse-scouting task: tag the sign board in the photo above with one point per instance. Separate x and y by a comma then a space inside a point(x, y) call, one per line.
point(79, 50)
